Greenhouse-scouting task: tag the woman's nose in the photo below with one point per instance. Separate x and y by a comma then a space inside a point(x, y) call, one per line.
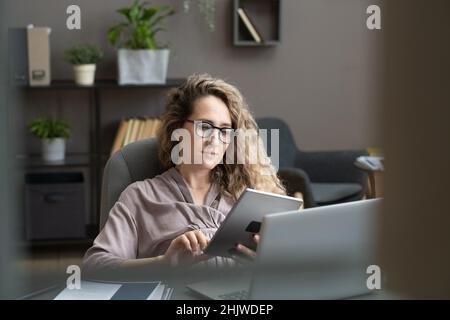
point(214, 137)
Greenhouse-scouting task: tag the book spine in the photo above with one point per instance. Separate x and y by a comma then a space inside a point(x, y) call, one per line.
point(249, 25)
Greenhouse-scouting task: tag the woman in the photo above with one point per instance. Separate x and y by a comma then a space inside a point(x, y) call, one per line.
point(169, 219)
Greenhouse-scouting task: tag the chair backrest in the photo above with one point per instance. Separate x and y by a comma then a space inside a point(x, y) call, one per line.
point(134, 162)
point(287, 147)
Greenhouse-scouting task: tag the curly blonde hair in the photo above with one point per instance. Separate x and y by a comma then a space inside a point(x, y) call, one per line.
point(232, 178)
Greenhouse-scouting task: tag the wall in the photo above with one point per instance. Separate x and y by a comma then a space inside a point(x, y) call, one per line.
point(321, 79)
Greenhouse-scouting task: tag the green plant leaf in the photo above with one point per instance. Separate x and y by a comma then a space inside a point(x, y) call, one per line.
point(140, 31)
point(135, 11)
point(151, 44)
point(83, 54)
point(162, 16)
point(47, 128)
point(115, 33)
point(154, 32)
point(149, 13)
point(125, 12)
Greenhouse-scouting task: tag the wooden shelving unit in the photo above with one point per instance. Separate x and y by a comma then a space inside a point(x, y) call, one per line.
point(92, 162)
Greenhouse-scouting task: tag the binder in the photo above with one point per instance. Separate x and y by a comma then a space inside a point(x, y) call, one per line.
point(18, 56)
point(38, 56)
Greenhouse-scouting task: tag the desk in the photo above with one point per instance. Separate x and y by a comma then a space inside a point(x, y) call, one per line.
point(178, 283)
point(176, 278)
point(49, 293)
point(182, 293)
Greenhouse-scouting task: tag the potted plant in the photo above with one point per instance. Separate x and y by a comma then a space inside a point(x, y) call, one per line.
point(84, 58)
point(53, 134)
point(141, 59)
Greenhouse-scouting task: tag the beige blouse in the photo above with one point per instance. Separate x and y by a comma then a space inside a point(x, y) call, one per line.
point(149, 214)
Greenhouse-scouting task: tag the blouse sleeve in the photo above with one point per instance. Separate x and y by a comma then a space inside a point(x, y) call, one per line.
point(117, 242)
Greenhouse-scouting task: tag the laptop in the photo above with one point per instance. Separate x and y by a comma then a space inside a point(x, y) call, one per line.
point(316, 253)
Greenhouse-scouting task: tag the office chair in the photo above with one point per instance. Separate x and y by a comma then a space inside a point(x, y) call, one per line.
point(135, 162)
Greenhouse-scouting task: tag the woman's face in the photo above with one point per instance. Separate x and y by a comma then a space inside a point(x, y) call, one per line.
point(210, 150)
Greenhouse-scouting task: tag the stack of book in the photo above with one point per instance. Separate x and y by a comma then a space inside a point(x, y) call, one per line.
point(135, 129)
point(250, 25)
point(106, 290)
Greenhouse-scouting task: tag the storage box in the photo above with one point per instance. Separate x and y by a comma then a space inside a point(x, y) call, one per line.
point(55, 206)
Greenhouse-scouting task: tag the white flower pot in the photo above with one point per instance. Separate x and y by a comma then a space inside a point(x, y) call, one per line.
point(84, 74)
point(143, 66)
point(53, 149)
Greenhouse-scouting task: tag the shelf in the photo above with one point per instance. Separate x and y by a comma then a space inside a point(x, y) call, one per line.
point(264, 15)
point(71, 160)
point(34, 244)
point(91, 231)
point(256, 44)
point(65, 84)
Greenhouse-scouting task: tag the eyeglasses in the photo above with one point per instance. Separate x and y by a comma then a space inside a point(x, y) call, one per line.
point(205, 129)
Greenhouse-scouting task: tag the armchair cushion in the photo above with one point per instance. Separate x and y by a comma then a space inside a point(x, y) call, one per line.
point(327, 193)
point(332, 166)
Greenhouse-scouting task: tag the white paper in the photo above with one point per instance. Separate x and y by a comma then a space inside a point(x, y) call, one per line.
point(167, 293)
point(90, 291)
point(157, 294)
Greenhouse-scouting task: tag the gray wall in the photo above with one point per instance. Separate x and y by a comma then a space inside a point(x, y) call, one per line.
point(321, 79)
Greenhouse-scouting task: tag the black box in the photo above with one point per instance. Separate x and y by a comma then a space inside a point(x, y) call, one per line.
point(55, 206)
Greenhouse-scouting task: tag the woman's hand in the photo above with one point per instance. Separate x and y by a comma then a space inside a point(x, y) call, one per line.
point(186, 249)
point(246, 252)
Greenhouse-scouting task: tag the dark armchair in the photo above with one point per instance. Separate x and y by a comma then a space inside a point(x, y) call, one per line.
point(324, 177)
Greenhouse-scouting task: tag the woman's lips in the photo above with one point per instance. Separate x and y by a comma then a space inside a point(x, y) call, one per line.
point(210, 153)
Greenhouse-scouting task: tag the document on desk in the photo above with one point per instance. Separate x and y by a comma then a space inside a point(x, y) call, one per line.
point(93, 290)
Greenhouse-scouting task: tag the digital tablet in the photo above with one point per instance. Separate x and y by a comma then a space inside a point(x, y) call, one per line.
point(244, 220)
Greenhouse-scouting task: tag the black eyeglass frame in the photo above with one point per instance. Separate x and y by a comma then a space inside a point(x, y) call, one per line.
point(196, 122)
